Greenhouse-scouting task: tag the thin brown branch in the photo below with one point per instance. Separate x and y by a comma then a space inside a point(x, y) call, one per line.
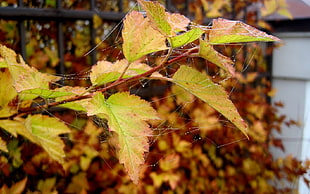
point(165, 63)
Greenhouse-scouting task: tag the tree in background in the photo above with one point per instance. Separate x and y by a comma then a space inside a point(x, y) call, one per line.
point(206, 154)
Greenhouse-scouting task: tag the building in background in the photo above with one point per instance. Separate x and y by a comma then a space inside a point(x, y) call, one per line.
point(291, 78)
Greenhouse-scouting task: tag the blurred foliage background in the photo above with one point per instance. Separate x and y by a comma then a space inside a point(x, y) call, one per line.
point(194, 151)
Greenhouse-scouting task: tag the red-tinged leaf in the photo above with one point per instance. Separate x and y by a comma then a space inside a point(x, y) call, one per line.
point(213, 94)
point(104, 71)
point(228, 31)
point(156, 13)
point(140, 38)
point(178, 22)
point(186, 37)
point(127, 115)
point(207, 52)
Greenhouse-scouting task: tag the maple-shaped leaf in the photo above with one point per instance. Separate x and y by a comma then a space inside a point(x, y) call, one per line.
point(186, 37)
point(6, 87)
point(41, 130)
point(127, 115)
point(207, 52)
point(166, 23)
point(140, 38)
point(228, 31)
point(104, 71)
point(25, 77)
point(213, 94)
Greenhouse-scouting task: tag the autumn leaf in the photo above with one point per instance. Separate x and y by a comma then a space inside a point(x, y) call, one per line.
point(16, 188)
point(3, 145)
point(140, 38)
point(166, 23)
point(178, 23)
point(156, 13)
point(207, 52)
point(276, 6)
point(127, 115)
point(213, 94)
point(228, 31)
point(104, 71)
point(41, 130)
point(25, 77)
point(186, 37)
point(44, 131)
point(6, 88)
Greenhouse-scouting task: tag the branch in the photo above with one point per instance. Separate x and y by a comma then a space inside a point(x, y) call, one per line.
point(165, 63)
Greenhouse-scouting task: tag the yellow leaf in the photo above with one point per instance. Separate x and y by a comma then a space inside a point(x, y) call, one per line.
point(213, 94)
point(207, 52)
point(169, 162)
point(285, 12)
point(270, 7)
point(136, 27)
point(3, 145)
point(16, 188)
point(6, 87)
point(41, 130)
point(127, 115)
point(25, 77)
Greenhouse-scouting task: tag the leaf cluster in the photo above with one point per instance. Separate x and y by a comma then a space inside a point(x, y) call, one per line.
point(26, 93)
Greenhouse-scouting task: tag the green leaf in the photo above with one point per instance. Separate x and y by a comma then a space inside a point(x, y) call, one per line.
point(46, 93)
point(127, 115)
point(79, 105)
point(156, 13)
point(3, 64)
point(140, 38)
point(207, 52)
point(228, 31)
point(104, 71)
point(186, 37)
point(213, 94)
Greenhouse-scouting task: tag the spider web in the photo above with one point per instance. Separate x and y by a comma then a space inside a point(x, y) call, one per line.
point(159, 95)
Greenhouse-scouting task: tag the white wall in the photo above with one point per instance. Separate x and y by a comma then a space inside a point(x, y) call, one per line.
point(291, 78)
